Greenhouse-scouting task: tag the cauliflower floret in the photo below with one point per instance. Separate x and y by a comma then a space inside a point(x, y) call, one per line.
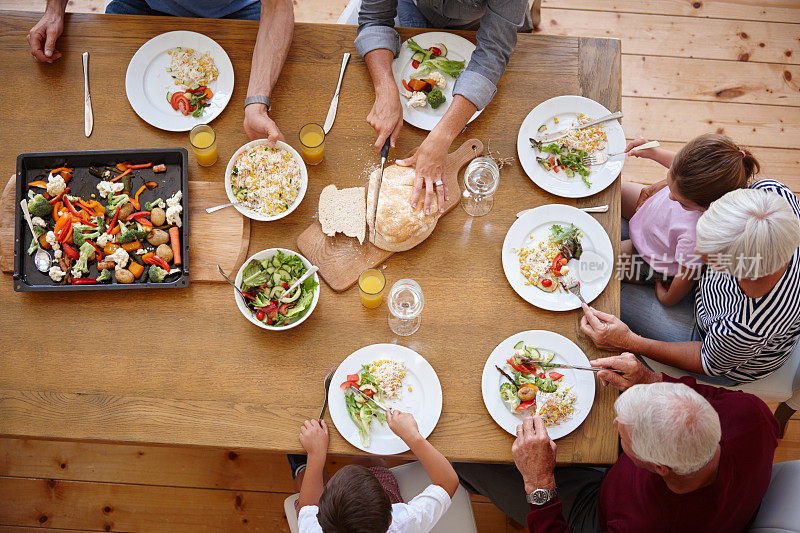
point(106, 187)
point(58, 254)
point(418, 99)
point(175, 199)
point(141, 251)
point(50, 238)
point(174, 215)
point(38, 221)
point(120, 258)
point(76, 273)
point(406, 93)
point(55, 185)
point(55, 273)
point(438, 77)
point(103, 239)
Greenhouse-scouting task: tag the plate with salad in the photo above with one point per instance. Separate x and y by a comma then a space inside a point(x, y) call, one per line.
point(555, 242)
point(265, 278)
point(179, 79)
point(557, 166)
point(522, 376)
point(387, 375)
point(425, 72)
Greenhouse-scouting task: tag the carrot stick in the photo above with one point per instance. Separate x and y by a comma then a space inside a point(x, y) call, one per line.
point(174, 241)
point(120, 176)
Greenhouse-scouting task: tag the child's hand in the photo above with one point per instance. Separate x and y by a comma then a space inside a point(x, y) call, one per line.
point(314, 437)
point(403, 425)
point(648, 153)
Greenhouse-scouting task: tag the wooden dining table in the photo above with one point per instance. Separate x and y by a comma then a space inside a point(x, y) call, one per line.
point(183, 367)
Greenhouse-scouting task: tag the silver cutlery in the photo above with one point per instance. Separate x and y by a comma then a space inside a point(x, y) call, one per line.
point(301, 280)
point(42, 259)
point(335, 101)
point(384, 155)
point(369, 398)
point(224, 275)
point(595, 209)
point(221, 206)
point(575, 367)
point(326, 385)
point(600, 158)
point(572, 285)
point(549, 137)
point(88, 117)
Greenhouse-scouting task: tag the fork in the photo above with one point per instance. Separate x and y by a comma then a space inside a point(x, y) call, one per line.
point(600, 158)
point(572, 285)
point(326, 385)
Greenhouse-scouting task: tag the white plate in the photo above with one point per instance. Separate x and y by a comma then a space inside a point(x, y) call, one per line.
point(592, 270)
point(566, 108)
point(458, 49)
point(248, 314)
point(581, 381)
point(147, 80)
point(248, 212)
point(424, 401)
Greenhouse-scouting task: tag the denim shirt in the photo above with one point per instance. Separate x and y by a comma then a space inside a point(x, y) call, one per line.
point(498, 22)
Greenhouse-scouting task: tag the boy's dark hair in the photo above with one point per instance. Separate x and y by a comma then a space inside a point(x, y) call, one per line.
point(710, 166)
point(354, 502)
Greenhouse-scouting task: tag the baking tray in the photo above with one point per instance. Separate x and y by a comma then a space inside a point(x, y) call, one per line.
point(29, 165)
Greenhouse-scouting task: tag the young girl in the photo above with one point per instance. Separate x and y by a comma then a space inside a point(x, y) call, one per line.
point(359, 499)
point(663, 219)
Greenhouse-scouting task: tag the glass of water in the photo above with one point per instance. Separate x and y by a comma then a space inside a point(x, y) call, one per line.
point(405, 307)
point(480, 183)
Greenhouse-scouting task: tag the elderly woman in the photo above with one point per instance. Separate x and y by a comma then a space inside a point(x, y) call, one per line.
point(747, 310)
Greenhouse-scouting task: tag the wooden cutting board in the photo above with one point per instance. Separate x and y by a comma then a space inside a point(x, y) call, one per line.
point(341, 259)
point(220, 238)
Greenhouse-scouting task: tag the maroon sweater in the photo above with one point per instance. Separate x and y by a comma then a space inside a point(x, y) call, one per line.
point(633, 499)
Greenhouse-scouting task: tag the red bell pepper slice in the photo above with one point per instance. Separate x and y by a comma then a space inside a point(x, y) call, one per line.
point(72, 210)
point(99, 251)
point(555, 376)
point(352, 377)
point(346, 385)
point(84, 281)
point(137, 214)
point(519, 367)
point(142, 165)
point(57, 199)
point(524, 406)
point(368, 392)
point(70, 252)
point(113, 221)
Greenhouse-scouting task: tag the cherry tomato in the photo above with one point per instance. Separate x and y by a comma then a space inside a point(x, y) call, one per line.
point(260, 315)
point(368, 392)
point(269, 321)
point(174, 100)
point(547, 282)
point(415, 64)
point(436, 51)
point(352, 377)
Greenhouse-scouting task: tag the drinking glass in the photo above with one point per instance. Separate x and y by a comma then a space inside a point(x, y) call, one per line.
point(405, 307)
point(480, 183)
point(312, 143)
point(204, 144)
point(371, 283)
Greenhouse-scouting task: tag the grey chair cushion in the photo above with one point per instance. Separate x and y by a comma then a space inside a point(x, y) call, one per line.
point(780, 509)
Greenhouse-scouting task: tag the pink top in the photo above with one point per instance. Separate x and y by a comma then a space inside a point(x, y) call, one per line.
point(663, 233)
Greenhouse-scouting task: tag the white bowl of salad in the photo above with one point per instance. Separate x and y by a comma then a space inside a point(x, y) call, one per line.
point(264, 278)
point(266, 183)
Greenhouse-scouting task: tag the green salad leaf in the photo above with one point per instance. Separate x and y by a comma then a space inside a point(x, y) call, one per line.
point(253, 275)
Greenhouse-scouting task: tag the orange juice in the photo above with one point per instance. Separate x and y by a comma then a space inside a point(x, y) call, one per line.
point(312, 143)
point(204, 144)
point(371, 283)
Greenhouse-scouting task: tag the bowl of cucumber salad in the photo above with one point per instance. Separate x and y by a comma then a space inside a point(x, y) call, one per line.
point(264, 280)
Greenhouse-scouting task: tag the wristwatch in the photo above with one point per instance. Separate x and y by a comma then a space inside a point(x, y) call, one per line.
point(542, 496)
point(258, 99)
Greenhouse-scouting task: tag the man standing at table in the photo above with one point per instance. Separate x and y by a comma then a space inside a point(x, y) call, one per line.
point(497, 23)
point(694, 458)
point(272, 43)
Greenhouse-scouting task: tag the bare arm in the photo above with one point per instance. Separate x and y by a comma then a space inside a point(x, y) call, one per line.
point(43, 36)
point(681, 285)
point(314, 438)
point(684, 355)
point(386, 115)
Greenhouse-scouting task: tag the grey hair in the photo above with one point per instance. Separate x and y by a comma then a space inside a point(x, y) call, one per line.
point(748, 233)
point(670, 424)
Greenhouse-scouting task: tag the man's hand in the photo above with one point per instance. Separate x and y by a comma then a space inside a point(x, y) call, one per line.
point(43, 36)
point(535, 454)
point(314, 437)
point(386, 116)
point(258, 125)
point(633, 371)
point(428, 161)
point(606, 331)
point(403, 425)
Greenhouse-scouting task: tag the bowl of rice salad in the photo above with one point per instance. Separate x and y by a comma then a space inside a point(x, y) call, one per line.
point(269, 182)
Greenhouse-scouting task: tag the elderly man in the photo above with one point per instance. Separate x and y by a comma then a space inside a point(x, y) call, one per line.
point(695, 458)
point(272, 43)
point(497, 22)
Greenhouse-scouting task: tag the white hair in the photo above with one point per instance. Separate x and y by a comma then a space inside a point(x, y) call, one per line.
point(670, 424)
point(748, 233)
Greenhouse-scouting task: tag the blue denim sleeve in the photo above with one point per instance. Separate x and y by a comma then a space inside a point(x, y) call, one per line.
point(376, 27)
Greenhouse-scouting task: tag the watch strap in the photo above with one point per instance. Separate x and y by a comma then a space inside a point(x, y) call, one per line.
point(542, 496)
point(258, 99)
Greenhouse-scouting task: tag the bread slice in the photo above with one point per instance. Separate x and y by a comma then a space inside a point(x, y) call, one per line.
point(343, 211)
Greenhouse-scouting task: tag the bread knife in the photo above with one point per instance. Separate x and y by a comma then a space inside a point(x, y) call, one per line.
point(384, 155)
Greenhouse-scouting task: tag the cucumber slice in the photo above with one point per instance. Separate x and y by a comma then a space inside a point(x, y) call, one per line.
point(169, 98)
point(292, 298)
point(520, 345)
point(418, 56)
point(542, 128)
point(441, 47)
point(285, 276)
point(551, 288)
point(548, 357)
point(276, 278)
point(275, 262)
point(276, 292)
point(271, 270)
point(533, 353)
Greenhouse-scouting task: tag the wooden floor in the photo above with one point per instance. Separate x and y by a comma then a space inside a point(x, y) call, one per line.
point(688, 67)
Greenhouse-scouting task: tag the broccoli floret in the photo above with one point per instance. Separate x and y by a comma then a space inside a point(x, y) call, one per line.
point(436, 98)
point(78, 235)
point(39, 206)
point(134, 233)
point(157, 274)
point(87, 252)
point(117, 199)
point(104, 276)
point(38, 231)
point(158, 202)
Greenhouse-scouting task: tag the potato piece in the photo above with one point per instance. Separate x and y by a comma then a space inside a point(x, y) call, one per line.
point(157, 237)
point(126, 210)
point(158, 216)
point(124, 275)
point(164, 252)
point(527, 392)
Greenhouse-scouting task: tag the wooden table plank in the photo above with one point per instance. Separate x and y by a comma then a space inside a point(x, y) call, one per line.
point(186, 368)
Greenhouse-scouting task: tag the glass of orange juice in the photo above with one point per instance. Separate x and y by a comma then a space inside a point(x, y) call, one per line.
point(371, 283)
point(204, 143)
point(312, 143)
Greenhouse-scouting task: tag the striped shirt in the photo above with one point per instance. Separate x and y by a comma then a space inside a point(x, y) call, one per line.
point(747, 338)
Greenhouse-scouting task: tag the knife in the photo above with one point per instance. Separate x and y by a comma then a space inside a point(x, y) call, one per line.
point(368, 398)
point(384, 155)
point(88, 118)
point(548, 137)
point(335, 102)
